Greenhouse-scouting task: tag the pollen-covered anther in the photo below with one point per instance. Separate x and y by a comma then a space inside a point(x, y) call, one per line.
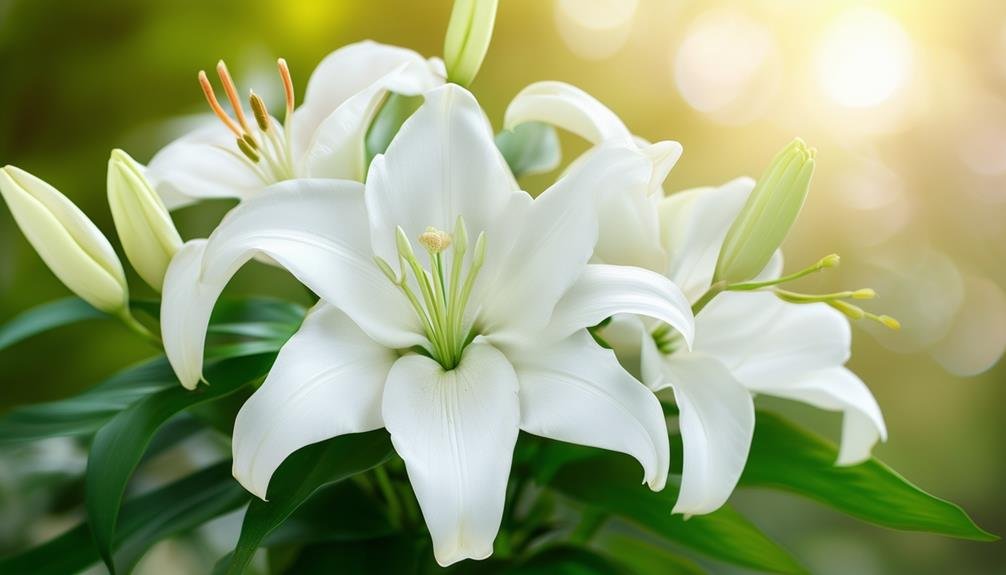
point(435, 241)
point(259, 111)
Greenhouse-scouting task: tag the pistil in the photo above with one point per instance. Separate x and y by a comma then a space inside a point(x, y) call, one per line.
point(443, 296)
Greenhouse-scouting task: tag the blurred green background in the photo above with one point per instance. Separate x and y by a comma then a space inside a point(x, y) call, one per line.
point(905, 101)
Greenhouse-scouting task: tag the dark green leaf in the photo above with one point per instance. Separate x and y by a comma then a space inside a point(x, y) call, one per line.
point(612, 483)
point(389, 119)
point(786, 457)
point(45, 317)
point(120, 443)
point(360, 516)
point(299, 477)
point(531, 148)
point(645, 557)
point(86, 412)
point(568, 561)
point(145, 520)
point(395, 554)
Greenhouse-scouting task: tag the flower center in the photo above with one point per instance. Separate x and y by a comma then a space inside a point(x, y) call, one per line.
point(263, 147)
point(442, 297)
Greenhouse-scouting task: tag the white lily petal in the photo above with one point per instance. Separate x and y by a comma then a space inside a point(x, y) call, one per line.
point(569, 108)
point(337, 148)
point(186, 305)
point(554, 243)
point(763, 340)
point(353, 69)
point(328, 380)
point(838, 389)
point(603, 291)
point(716, 422)
point(694, 224)
point(442, 163)
point(629, 232)
point(576, 391)
point(316, 229)
point(456, 431)
point(201, 165)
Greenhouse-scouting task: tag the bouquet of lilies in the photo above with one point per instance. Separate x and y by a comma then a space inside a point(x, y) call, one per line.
point(478, 363)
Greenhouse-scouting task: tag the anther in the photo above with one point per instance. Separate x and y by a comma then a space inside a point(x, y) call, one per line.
point(211, 99)
point(232, 94)
point(829, 261)
point(248, 139)
point(247, 150)
point(404, 246)
point(386, 269)
point(889, 322)
point(434, 240)
point(865, 293)
point(258, 109)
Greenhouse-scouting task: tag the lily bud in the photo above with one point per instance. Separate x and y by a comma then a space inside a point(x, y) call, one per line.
point(145, 229)
point(766, 218)
point(467, 40)
point(66, 240)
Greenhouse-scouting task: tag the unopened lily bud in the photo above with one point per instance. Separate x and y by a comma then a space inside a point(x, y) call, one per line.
point(145, 229)
point(467, 39)
point(768, 215)
point(66, 240)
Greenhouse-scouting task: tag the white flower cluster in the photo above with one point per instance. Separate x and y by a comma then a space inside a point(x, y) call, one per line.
point(455, 309)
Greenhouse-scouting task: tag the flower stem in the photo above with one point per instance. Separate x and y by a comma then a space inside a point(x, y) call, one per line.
point(136, 327)
point(388, 491)
point(713, 291)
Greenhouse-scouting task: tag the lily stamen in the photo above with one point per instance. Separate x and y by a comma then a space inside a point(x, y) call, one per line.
point(267, 144)
point(443, 296)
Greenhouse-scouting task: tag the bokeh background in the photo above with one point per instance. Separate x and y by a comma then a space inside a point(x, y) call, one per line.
point(905, 101)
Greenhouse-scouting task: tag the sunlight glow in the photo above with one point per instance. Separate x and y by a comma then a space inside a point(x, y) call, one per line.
point(864, 58)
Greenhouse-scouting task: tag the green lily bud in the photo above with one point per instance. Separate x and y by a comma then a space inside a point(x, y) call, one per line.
point(766, 218)
point(67, 241)
point(145, 229)
point(467, 39)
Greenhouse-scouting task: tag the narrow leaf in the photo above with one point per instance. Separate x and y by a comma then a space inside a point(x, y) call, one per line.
point(784, 456)
point(299, 477)
point(46, 317)
point(646, 557)
point(120, 443)
point(568, 560)
point(612, 483)
point(85, 412)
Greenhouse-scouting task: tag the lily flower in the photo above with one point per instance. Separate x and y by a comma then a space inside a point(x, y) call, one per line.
point(746, 343)
point(244, 153)
point(454, 312)
point(630, 231)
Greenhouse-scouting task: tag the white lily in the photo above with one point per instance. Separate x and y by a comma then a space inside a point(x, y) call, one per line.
point(630, 230)
point(323, 138)
point(500, 308)
point(746, 343)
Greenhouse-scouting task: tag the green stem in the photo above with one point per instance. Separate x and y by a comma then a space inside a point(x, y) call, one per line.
point(713, 291)
point(388, 491)
point(136, 327)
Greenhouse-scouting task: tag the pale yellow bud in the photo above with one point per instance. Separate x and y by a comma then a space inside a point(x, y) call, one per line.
point(145, 229)
point(66, 240)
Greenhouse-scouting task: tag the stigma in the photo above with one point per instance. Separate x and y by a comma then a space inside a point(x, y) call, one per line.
point(264, 145)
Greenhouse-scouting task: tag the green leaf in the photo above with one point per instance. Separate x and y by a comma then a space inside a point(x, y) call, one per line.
point(145, 520)
point(299, 477)
point(612, 483)
point(784, 456)
point(46, 317)
point(86, 412)
point(567, 560)
point(645, 557)
point(395, 554)
point(389, 119)
point(531, 148)
point(120, 443)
